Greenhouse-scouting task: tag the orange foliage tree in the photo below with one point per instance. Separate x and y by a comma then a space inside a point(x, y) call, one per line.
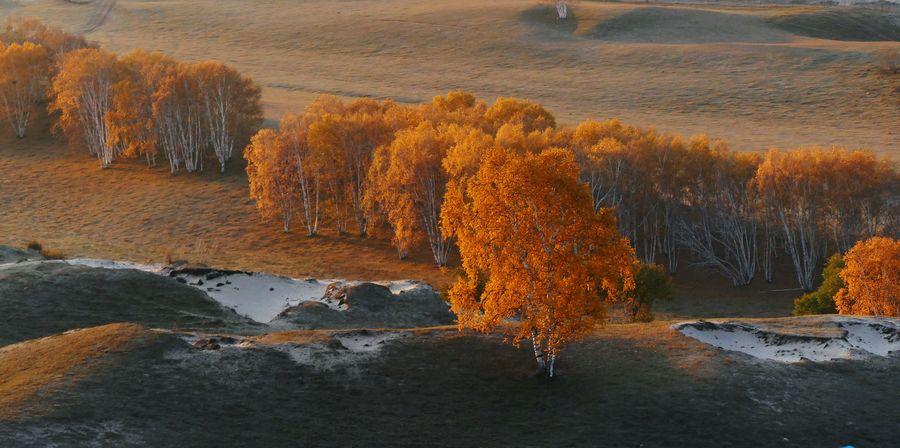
point(872, 278)
point(82, 94)
point(816, 193)
point(24, 73)
point(346, 140)
point(272, 174)
point(294, 130)
point(532, 116)
point(131, 123)
point(533, 249)
point(408, 182)
point(55, 40)
point(231, 105)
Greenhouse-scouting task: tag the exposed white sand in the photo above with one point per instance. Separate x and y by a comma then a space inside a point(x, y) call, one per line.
point(111, 264)
point(861, 337)
point(256, 295)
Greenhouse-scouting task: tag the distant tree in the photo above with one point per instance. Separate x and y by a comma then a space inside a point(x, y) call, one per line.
point(131, 122)
point(231, 105)
point(24, 73)
point(816, 196)
point(651, 284)
point(532, 116)
point(294, 130)
point(871, 278)
point(720, 228)
point(533, 249)
point(821, 301)
point(272, 175)
point(407, 179)
point(20, 30)
point(347, 140)
point(82, 96)
point(181, 120)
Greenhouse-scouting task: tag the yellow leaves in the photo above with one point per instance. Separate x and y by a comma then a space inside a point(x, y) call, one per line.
point(531, 116)
point(272, 175)
point(533, 248)
point(872, 278)
point(24, 70)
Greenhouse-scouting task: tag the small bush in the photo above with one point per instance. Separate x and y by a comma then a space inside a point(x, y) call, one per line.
point(821, 301)
point(652, 283)
point(888, 61)
point(50, 254)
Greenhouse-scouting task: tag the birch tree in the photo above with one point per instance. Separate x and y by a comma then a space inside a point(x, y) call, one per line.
point(82, 96)
point(131, 122)
point(532, 116)
point(231, 105)
point(347, 141)
point(56, 41)
point(534, 250)
point(721, 229)
point(272, 175)
point(24, 74)
point(791, 187)
point(294, 130)
point(180, 117)
point(408, 181)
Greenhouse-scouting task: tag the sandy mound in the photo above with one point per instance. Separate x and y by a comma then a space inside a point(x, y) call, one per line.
point(823, 338)
point(42, 298)
point(32, 369)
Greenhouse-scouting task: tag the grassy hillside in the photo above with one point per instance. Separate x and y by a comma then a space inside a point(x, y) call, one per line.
point(38, 300)
point(749, 74)
point(627, 385)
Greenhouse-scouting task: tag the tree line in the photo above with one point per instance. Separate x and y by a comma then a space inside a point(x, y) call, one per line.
point(399, 171)
point(139, 105)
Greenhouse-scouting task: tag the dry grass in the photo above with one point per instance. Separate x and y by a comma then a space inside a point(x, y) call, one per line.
point(32, 369)
point(725, 70)
point(130, 212)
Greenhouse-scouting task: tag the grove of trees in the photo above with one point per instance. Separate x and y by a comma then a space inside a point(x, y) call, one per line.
point(397, 170)
point(137, 105)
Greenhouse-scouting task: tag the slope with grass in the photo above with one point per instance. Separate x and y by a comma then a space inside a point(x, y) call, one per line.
point(43, 298)
point(749, 74)
point(626, 385)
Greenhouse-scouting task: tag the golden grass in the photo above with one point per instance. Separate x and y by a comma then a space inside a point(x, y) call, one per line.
point(31, 369)
point(130, 212)
point(768, 88)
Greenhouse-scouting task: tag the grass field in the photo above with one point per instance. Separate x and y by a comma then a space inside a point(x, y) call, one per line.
point(753, 75)
point(757, 76)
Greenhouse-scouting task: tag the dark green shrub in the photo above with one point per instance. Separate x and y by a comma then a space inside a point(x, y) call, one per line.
point(652, 283)
point(821, 301)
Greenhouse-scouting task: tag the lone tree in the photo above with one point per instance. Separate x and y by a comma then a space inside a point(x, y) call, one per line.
point(534, 250)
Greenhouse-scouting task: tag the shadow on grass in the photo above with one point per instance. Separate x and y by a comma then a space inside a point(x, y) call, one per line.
point(464, 390)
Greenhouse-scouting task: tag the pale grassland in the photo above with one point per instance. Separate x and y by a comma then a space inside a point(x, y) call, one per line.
point(734, 72)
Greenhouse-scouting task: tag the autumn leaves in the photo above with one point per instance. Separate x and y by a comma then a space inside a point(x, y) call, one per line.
point(145, 103)
point(138, 105)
